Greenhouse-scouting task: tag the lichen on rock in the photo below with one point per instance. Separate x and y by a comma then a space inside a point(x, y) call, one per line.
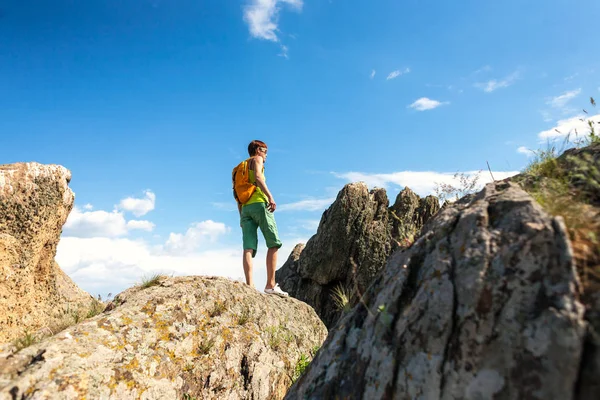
point(485, 304)
point(35, 201)
point(204, 337)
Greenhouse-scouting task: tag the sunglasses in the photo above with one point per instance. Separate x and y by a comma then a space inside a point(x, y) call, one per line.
point(263, 150)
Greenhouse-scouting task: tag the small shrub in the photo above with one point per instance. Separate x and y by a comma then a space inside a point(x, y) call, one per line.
point(117, 301)
point(76, 316)
point(244, 316)
point(300, 367)
point(544, 163)
point(95, 308)
point(149, 281)
point(277, 335)
point(466, 185)
point(218, 308)
point(26, 340)
point(341, 298)
point(205, 346)
point(313, 351)
point(273, 339)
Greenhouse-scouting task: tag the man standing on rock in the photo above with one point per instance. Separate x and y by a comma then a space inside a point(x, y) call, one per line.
point(256, 213)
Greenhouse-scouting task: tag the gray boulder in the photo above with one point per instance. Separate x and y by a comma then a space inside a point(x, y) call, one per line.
point(408, 215)
point(356, 235)
point(188, 337)
point(350, 247)
point(483, 305)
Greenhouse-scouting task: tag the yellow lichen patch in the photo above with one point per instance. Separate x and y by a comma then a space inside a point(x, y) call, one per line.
point(149, 308)
point(103, 324)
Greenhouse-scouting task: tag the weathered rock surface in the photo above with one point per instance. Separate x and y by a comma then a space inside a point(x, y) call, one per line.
point(409, 213)
point(199, 337)
point(578, 169)
point(35, 201)
point(483, 305)
point(350, 247)
point(355, 237)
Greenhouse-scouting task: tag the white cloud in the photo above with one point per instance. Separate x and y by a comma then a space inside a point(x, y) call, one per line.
point(103, 265)
point(576, 127)
point(424, 103)
point(95, 224)
point(494, 84)
point(397, 73)
point(88, 207)
point(87, 224)
point(307, 205)
point(139, 207)
point(563, 99)
point(141, 225)
point(373, 74)
point(197, 235)
point(284, 52)
point(421, 182)
point(262, 17)
point(525, 150)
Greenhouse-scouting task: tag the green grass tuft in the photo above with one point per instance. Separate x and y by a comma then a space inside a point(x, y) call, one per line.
point(341, 297)
point(149, 281)
point(26, 340)
point(205, 346)
point(300, 367)
point(244, 316)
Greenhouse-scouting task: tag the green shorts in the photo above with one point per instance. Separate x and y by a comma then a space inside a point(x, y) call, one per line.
point(256, 216)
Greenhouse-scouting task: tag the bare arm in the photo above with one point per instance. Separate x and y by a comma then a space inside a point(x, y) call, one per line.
point(260, 182)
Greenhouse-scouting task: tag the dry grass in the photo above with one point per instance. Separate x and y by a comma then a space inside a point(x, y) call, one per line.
point(341, 297)
point(562, 186)
point(149, 281)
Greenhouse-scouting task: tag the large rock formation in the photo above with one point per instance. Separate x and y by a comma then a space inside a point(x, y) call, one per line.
point(353, 241)
point(188, 337)
point(350, 247)
point(35, 201)
point(483, 305)
point(570, 186)
point(409, 213)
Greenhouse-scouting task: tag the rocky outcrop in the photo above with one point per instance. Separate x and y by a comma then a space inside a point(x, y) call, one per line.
point(409, 213)
point(35, 201)
point(483, 305)
point(356, 235)
point(188, 337)
point(570, 186)
point(350, 247)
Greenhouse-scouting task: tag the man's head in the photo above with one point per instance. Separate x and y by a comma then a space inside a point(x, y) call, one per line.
point(257, 148)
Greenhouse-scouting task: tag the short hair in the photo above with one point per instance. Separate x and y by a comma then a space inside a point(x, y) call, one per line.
point(255, 144)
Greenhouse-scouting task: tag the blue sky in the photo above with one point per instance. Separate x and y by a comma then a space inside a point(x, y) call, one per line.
point(151, 103)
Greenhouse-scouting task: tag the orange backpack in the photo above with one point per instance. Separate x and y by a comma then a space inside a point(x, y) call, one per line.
point(242, 187)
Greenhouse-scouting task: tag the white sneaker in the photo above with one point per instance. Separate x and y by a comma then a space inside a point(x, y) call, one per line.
point(277, 290)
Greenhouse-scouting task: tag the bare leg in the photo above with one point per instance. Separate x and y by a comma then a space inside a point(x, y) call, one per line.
point(247, 261)
point(271, 265)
